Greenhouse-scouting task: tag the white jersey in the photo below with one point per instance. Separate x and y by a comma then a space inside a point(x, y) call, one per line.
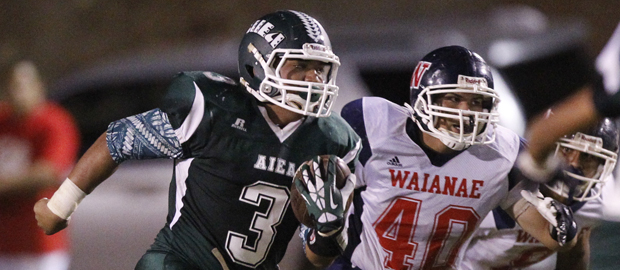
point(499, 243)
point(416, 213)
point(611, 202)
point(608, 63)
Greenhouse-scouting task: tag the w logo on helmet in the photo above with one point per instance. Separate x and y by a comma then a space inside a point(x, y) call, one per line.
point(418, 72)
point(312, 27)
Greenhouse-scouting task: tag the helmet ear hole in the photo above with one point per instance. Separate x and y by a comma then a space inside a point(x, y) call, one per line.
point(250, 70)
point(276, 61)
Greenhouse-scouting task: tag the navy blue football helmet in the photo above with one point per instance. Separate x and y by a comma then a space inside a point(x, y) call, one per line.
point(275, 38)
point(598, 154)
point(454, 70)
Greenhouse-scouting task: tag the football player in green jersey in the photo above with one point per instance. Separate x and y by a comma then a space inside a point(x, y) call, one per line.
point(236, 147)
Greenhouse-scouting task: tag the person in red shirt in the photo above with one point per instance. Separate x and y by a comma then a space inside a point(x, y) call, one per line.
point(38, 146)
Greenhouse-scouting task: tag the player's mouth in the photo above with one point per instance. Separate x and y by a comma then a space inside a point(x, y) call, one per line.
point(455, 126)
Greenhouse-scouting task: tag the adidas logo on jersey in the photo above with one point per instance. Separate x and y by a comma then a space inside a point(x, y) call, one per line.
point(394, 162)
point(239, 124)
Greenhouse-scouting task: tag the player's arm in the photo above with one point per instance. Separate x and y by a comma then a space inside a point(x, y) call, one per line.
point(94, 167)
point(323, 245)
point(578, 257)
point(326, 205)
point(143, 136)
point(600, 97)
point(578, 112)
point(536, 225)
point(328, 249)
point(153, 134)
point(547, 220)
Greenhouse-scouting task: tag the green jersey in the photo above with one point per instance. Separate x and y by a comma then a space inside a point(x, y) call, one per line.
point(230, 191)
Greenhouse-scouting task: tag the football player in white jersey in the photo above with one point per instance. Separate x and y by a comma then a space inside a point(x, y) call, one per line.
point(578, 112)
point(430, 172)
point(501, 244)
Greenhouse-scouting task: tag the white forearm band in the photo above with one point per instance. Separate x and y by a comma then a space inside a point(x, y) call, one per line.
point(66, 199)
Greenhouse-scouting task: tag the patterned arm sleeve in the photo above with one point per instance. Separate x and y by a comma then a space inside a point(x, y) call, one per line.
point(143, 136)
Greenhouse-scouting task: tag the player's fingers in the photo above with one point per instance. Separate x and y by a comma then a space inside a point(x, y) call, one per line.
point(302, 190)
point(307, 177)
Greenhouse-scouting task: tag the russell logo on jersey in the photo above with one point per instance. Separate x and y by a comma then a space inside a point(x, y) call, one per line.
point(239, 124)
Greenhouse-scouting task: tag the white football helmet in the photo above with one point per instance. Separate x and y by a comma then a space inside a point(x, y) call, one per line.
point(597, 160)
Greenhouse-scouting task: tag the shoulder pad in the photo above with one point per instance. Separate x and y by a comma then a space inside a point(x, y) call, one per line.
point(219, 90)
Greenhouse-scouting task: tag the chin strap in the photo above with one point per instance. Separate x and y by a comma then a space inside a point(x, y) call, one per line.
point(456, 146)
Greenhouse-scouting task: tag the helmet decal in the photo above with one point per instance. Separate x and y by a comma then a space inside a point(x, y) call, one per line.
point(467, 80)
point(418, 72)
point(313, 29)
point(262, 27)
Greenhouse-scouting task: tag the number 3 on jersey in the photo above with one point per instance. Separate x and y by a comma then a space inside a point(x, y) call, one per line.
point(397, 225)
point(250, 253)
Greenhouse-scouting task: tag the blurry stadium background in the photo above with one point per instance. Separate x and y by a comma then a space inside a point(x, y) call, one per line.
point(104, 60)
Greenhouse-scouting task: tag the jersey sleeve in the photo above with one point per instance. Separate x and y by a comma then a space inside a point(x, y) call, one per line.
point(164, 132)
point(516, 183)
point(143, 136)
point(353, 114)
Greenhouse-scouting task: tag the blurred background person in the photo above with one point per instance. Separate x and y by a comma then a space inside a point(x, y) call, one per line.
point(38, 145)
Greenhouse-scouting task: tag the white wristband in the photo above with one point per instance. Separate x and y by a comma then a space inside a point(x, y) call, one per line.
point(66, 199)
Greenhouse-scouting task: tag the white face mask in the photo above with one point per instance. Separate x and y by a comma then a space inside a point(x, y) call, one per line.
point(303, 97)
point(588, 188)
point(467, 127)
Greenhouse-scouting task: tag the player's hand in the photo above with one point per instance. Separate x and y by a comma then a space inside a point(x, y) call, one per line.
point(560, 217)
point(46, 220)
point(527, 168)
point(324, 200)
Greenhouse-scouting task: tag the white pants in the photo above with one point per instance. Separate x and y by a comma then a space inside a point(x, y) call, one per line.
point(57, 260)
